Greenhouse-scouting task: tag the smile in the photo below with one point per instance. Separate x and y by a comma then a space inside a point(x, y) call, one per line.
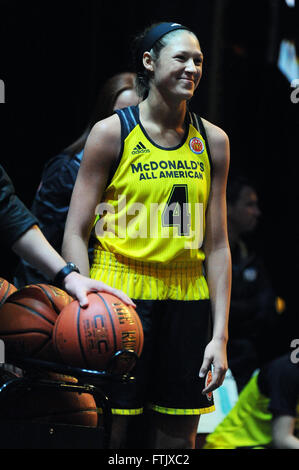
point(187, 80)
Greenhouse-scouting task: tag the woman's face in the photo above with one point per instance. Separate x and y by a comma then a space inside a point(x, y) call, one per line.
point(178, 69)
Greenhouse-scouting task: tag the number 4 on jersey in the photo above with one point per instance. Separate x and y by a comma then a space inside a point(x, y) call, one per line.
point(176, 212)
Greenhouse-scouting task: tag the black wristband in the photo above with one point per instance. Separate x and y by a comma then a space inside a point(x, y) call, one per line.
point(61, 275)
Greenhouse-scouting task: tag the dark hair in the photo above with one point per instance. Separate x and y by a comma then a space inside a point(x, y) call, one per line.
point(103, 108)
point(143, 77)
point(235, 184)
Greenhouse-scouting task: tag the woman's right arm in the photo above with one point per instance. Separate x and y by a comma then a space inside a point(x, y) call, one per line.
point(101, 149)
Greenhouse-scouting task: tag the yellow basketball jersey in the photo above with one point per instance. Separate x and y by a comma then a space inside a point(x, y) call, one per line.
point(153, 208)
point(152, 214)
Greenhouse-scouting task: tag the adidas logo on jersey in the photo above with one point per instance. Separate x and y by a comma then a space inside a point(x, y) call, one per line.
point(140, 148)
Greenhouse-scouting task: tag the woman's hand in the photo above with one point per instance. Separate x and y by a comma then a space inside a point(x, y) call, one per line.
point(79, 286)
point(215, 353)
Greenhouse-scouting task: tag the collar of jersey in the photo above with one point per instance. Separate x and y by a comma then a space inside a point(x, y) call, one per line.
point(187, 121)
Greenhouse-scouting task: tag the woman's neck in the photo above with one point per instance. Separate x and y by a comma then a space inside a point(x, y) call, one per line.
point(166, 114)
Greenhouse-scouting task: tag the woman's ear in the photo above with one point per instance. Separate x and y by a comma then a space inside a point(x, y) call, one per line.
point(148, 62)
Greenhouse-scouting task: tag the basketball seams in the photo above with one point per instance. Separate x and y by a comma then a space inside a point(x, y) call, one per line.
point(31, 310)
point(54, 337)
point(46, 340)
point(79, 337)
point(49, 298)
point(28, 318)
point(91, 337)
point(21, 332)
point(41, 347)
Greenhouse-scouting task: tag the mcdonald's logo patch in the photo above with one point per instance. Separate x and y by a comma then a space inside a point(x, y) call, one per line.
point(196, 145)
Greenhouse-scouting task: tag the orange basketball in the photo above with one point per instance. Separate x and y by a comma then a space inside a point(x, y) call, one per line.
point(27, 319)
point(90, 337)
point(53, 296)
point(6, 288)
point(50, 405)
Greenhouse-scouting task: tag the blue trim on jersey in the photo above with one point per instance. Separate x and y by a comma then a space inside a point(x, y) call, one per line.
point(129, 119)
point(196, 121)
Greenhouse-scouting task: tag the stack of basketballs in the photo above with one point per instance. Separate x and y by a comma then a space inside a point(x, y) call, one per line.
point(43, 322)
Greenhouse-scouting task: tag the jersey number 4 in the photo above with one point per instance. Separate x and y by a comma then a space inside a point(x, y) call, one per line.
point(176, 212)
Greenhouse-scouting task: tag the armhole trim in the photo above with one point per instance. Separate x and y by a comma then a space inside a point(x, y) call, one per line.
point(128, 120)
point(197, 122)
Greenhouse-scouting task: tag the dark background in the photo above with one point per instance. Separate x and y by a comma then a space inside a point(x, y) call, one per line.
point(55, 55)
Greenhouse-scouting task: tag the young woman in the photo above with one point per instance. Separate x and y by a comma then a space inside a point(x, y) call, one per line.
point(169, 167)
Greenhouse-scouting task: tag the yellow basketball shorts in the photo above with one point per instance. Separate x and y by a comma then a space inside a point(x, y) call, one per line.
point(179, 280)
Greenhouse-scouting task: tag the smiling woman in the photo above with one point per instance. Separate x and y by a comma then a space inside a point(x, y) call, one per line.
point(183, 49)
point(179, 66)
point(164, 274)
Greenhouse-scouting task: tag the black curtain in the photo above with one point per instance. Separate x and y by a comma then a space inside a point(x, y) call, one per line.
point(54, 57)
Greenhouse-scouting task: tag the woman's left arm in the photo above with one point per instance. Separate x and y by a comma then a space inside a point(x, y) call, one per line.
point(218, 258)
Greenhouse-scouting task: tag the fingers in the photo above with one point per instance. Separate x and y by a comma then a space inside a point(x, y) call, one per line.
point(218, 377)
point(100, 287)
point(205, 366)
point(79, 287)
point(215, 353)
point(83, 300)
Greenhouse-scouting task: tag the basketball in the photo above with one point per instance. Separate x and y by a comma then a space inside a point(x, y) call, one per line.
point(53, 296)
point(27, 319)
point(90, 337)
point(49, 405)
point(6, 288)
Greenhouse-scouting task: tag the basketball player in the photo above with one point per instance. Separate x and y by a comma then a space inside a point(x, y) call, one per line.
point(19, 230)
point(170, 168)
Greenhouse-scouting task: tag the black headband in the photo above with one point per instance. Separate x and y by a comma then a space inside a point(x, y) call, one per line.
point(156, 33)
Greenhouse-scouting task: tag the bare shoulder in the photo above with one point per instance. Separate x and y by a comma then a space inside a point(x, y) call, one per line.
point(105, 138)
point(109, 126)
point(216, 135)
point(218, 143)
